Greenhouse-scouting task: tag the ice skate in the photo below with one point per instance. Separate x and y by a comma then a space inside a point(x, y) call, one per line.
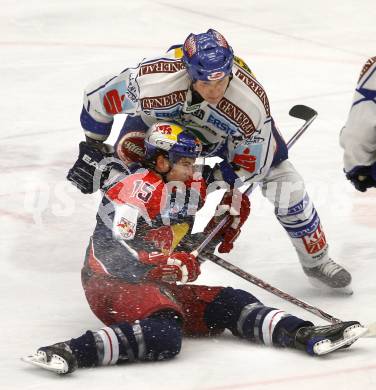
point(57, 358)
point(320, 340)
point(332, 275)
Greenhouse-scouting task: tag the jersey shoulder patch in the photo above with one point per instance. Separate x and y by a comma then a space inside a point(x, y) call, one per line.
point(178, 52)
point(242, 64)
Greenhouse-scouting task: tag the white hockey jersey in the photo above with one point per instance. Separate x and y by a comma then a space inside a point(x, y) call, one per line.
point(358, 136)
point(160, 89)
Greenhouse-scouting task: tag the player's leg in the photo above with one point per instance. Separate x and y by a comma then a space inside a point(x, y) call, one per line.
point(285, 188)
point(114, 301)
point(193, 301)
point(246, 317)
point(155, 338)
point(143, 323)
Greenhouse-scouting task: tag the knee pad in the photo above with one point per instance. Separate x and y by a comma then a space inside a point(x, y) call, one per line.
point(226, 308)
point(154, 338)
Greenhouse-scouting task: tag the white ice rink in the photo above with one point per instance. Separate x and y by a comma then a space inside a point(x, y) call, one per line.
point(302, 52)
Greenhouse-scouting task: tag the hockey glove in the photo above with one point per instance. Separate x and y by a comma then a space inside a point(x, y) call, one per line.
point(89, 172)
point(237, 205)
point(177, 267)
point(363, 177)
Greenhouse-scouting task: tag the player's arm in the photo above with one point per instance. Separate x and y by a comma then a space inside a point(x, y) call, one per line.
point(142, 196)
point(103, 100)
point(358, 136)
point(249, 159)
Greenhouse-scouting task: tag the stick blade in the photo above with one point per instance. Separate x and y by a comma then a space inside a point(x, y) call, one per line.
point(371, 330)
point(303, 112)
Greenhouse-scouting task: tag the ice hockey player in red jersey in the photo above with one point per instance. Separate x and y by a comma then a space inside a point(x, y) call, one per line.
point(139, 264)
point(203, 86)
point(358, 136)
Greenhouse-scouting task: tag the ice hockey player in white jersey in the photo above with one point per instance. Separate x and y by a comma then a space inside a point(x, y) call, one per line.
point(136, 275)
point(214, 94)
point(358, 136)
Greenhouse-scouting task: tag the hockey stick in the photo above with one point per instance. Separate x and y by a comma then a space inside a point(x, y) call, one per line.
point(308, 115)
point(279, 293)
point(266, 286)
point(300, 111)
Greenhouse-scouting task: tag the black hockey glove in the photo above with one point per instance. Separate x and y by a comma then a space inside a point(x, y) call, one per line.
point(90, 171)
point(362, 183)
point(363, 178)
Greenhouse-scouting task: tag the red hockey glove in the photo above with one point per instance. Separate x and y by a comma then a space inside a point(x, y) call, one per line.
point(238, 206)
point(178, 267)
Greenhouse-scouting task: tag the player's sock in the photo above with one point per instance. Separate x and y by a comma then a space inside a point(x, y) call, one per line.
point(149, 339)
point(248, 318)
point(154, 338)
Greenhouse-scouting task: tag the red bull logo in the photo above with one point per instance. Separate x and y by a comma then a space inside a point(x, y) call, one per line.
point(164, 129)
point(126, 229)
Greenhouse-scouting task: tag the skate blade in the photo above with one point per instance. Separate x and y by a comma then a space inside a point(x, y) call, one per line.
point(56, 364)
point(324, 287)
point(350, 335)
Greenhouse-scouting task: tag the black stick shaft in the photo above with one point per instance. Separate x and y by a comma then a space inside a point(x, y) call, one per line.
point(266, 286)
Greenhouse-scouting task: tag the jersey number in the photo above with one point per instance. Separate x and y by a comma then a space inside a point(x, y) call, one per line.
point(142, 190)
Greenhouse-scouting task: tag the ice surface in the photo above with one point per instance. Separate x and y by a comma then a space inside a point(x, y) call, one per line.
point(302, 52)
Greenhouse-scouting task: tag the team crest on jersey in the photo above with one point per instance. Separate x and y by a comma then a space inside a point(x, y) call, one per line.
point(315, 242)
point(126, 229)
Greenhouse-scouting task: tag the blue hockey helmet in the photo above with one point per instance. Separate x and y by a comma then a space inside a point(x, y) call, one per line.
point(172, 140)
point(207, 56)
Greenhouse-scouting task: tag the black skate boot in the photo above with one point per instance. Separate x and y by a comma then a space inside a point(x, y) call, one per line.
point(57, 358)
point(330, 274)
point(320, 340)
